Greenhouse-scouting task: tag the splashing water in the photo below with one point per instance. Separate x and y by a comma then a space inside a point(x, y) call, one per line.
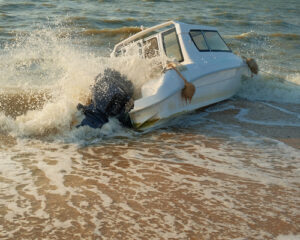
point(49, 76)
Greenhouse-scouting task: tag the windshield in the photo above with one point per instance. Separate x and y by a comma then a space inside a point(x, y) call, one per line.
point(208, 40)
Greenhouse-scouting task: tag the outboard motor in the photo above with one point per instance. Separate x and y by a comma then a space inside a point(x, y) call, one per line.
point(111, 97)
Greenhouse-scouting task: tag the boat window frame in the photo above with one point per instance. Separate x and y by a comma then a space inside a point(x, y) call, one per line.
point(209, 49)
point(177, 39)
point(197, 30)
point(158, 50)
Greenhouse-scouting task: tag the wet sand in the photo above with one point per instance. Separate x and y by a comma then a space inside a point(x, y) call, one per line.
point(162, 185)
point(162, 201)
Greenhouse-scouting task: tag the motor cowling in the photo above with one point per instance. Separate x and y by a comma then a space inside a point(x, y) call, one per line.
point(110, 96)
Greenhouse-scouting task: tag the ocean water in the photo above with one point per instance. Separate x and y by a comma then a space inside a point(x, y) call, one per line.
point(229, 171)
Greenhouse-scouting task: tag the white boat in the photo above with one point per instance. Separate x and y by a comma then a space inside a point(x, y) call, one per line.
point(203, 59)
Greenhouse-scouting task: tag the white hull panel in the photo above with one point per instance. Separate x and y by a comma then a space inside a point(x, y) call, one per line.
point(210, 89)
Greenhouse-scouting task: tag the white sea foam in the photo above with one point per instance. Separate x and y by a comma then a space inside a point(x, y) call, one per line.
point(288, 237)
point(7, 124)
point(241, 153)
point(21, 174)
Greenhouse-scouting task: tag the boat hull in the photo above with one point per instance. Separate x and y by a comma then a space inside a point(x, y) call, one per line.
point(210, 89)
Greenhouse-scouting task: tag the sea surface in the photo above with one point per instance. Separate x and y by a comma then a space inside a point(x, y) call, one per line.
point(228, 171)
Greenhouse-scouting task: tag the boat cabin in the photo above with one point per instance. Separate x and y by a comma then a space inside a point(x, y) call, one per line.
point(178, 42)
point(202, 59)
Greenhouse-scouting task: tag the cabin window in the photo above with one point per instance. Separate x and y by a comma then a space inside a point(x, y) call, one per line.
point(171, 45)
point(151, 48)
point(215, 42)
point(199, 40)
point(208, 40)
